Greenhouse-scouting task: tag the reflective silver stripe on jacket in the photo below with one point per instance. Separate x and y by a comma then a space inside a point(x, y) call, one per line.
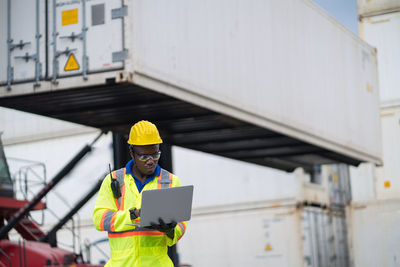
point(166, 179)
point(182, 227)
point(120, 178)
point(107, 220)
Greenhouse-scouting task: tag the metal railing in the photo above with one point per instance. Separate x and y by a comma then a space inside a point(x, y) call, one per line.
point(95, 244)
point(28, 178)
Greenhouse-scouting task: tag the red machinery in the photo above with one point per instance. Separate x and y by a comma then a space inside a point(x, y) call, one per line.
point(30, 252)
point(37, 249)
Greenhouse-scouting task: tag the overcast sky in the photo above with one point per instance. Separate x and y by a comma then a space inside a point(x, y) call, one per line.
point(344, 11)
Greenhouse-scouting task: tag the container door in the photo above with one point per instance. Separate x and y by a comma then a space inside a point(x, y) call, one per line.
point(86, 37)
point(105, 44)
point(339, 185)
point(22, 41)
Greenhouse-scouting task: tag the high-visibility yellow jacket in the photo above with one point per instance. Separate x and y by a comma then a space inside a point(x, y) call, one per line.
point(130, 245)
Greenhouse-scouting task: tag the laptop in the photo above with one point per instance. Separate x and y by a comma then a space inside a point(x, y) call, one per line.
point(170, 204)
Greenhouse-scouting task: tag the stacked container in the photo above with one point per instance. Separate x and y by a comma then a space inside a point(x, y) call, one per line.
point(246, 215)
point(380, 26)
point(264, 234)
point(374, 216)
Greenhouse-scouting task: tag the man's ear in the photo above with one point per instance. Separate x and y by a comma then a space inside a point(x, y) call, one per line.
point(131, 151)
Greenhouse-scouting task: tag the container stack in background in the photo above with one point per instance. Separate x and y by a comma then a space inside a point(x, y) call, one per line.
point(379, 25)
point(374, 215)
point(265, 218)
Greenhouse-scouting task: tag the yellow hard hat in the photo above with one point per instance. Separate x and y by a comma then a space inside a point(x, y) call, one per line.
point(144, 133)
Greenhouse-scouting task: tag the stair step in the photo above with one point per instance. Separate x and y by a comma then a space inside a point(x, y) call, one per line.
point(35, 231)
point(26, 221)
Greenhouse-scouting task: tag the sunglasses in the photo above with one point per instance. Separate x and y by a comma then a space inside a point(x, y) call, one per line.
point(146, 157)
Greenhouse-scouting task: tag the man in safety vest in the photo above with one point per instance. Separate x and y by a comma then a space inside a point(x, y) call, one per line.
point(119, 201)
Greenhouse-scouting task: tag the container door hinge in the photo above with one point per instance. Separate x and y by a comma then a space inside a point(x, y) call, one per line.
point(27, 57)
point(119, 13)
point(120, 55)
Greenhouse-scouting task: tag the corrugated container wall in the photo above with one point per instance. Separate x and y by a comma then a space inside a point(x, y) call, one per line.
point(329, 186)
point(268, 63)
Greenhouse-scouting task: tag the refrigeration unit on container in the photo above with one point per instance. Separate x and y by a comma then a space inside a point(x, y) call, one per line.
point(265, 234)
point(276, 83)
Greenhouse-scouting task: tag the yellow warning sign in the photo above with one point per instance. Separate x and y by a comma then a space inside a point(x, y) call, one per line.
point(386, 184)
point(268, 247)
point(335, 178)
point(72, 63)
point(69, 17)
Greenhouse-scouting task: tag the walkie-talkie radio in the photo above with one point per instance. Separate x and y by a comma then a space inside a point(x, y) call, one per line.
point(114, 185)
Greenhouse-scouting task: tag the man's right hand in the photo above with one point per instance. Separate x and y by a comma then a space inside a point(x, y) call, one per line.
point(135, 213)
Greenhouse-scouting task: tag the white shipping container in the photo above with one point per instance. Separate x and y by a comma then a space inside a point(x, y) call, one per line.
point(374, 236)
point(21, 127)
point(269, 63)
point(264, 234)
point(368, 7)
point(22, 39)
point(388, 176)
point(383, 32)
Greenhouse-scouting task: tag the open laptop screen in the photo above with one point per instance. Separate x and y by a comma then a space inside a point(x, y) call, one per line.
point(170, 204)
